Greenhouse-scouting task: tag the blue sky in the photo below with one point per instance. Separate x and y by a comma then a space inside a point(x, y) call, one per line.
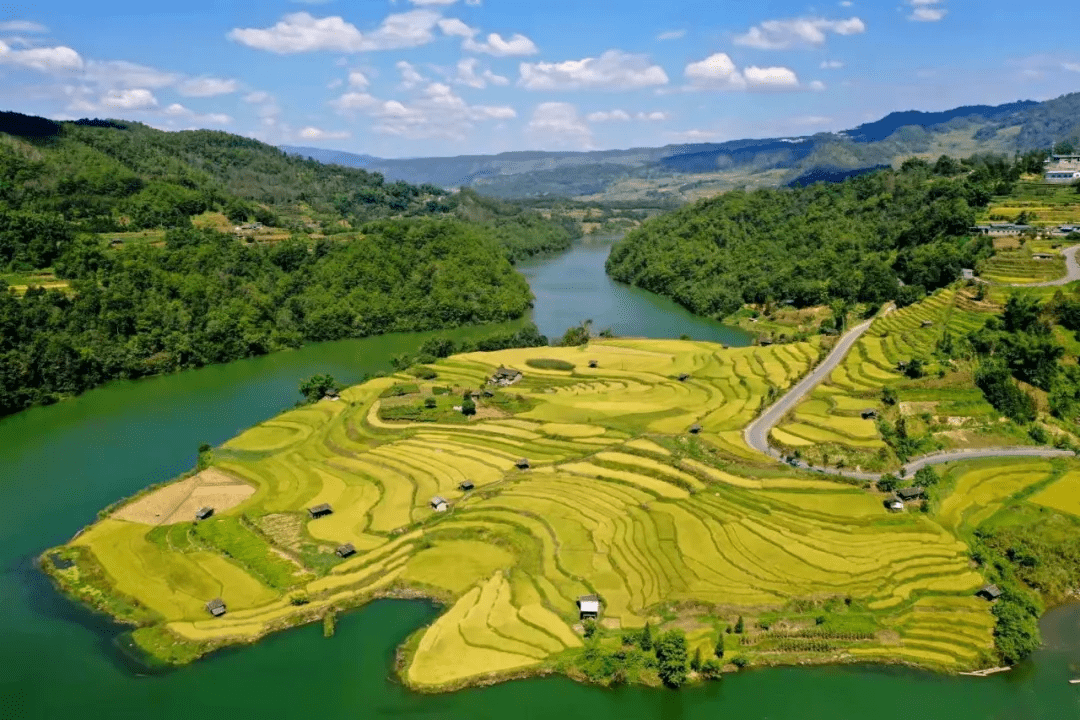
point(449, 77)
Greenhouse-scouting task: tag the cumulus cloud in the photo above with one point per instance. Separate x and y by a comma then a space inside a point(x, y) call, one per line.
point(314, 133)
point(301, 32)
point(926, 10)
point(121, 73)
point(133, 99)
point(179, 111)
point(467, 75)
point(207, 87)
point(623, 116)
point(58, 59)
point(797, 32)
point(719, 72)
point(614, 70)
point(436, 113)
point(671, 35)
point(559, 125)
point(455, 27)
point(22, 26)
point(518, 44)
point(410, 76)
point(358, 79)
point(1071, 67)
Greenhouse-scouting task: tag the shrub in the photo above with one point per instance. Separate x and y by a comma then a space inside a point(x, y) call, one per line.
point(430, 403)
point(711, 669)
point(590, 628)
point(645, 641)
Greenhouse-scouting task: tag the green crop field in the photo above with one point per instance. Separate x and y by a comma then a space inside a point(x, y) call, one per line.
point(619, 500)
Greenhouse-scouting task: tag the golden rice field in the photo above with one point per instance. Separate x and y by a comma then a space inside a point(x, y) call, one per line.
point(831, 413)
point(619, 501)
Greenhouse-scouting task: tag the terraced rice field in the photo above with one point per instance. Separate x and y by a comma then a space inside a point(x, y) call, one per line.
point(619, 500)
point(831, 414)
point(1063, 494)
point(1021, 267)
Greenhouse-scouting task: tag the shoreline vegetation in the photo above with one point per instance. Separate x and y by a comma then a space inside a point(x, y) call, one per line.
point(719, 551)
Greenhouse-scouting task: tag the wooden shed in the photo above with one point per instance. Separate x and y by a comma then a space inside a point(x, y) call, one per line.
point(466, 485)
point(203, 513)
point(344, 551)
point(522, 464)
point(869, 414)
point(216, 607)
point(594, 364)
point(990, 592)
point(439, 504)
point(588, 607)
point(319, 511)
point(695, 429)
point(684, 377)
point(910, 493)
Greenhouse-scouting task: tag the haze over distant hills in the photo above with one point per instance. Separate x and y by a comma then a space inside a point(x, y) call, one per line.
point(684, 172)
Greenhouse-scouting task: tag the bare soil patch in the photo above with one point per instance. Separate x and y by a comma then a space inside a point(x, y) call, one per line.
point(179, 501)
point(915, 408)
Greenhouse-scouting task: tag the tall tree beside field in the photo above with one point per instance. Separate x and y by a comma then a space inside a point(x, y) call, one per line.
point(671, 656)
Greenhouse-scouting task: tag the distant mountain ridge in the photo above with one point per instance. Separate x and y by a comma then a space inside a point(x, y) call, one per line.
point(663, 171)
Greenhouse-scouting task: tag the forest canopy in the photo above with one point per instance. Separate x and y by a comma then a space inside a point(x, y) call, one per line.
point(853, 241)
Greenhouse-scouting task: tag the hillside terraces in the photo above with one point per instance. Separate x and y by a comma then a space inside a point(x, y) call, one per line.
point(619, 501)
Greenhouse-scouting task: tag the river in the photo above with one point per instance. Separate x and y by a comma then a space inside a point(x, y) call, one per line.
point(60, 464)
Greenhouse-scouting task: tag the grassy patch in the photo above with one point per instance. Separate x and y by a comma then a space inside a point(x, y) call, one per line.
point(234, 539)
point(549, 364)
point(400, 389)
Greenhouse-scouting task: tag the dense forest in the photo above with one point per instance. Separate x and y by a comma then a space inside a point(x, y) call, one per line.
point(854, 241)
point(205, 298)
point(352, 255)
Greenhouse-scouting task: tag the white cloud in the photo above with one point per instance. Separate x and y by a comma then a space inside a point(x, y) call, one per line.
point(134, 99)
point(454, 27)
point(926, 10)
point(671, 35)
point(468, 76)
point(518, 44)
point(121, 74)
point(442, 2)
point(831, 65)
point(614, 70)
point(178, 110)
point(47, 59)
point(558, 125)
point(816, 85)
point(410, 76)
point(797, 32)
point(694, 135)
point(358, 79)
point(1071, 67)
point(719, 72)
point(314, 133)
point(207, 87)
point(24, 26)
point(301, 32)
point(623, 116)
point(436, 113)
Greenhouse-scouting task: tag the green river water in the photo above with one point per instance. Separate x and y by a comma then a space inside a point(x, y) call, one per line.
point(60, 464)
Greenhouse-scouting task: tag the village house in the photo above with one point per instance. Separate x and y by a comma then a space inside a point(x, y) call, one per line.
point(344, 551)
point(588, 607)
point(1062, 169)
point(1001, 229)
point(320, 510)
point(910, 493)
point(216, 607)
point(990, 592)
point(967, 274)
point(439, 504)
point(505, 376)
point(203, 513)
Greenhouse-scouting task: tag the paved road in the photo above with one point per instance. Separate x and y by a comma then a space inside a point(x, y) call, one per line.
point(757, 433)
point(1072, 272)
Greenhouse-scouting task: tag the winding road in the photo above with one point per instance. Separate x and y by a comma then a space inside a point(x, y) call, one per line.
point(757, 433)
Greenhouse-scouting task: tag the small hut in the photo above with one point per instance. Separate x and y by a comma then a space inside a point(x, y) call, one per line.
point(216, 607)
point(588, 607)
point(344, 551)
point(927, 323)
point(594, 364)
point(319, 511)
point(506, 376)
point(910, 493)
point(695, 429)
point(967, 273)
point(522, 464)
point(466, 485)
point(989, 592)
point(765, 341)
point(332, 395)
point(895, 504)
point(439, 504)
point(203, 513)
point(684, 377)
point(869, 414)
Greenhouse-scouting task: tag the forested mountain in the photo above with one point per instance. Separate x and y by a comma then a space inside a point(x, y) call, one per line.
point(351, 255)
point(850, 241)
point(652, 173)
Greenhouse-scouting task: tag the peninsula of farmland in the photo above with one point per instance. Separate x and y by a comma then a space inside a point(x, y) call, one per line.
point(611, 476)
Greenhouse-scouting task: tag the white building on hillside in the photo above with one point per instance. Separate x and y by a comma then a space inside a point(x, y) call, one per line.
point(1062, 169)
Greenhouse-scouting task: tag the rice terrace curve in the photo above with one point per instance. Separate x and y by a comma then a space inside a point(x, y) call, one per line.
point(616, 471)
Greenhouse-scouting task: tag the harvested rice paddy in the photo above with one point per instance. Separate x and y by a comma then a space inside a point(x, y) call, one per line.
point(618, 500)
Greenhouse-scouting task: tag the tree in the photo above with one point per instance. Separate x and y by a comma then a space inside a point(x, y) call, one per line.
point(888, 395)
point(916, 368)
point(577, 335)
point(468, 407)
point(718, 651)
point(317, 387)
point(739, 626)
point(430, 403)
point(695, 662)
point(671, 658)
point(589, 628)
point(711, 669)
point(645, 640)
point(926, 477)
point(888, 483)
